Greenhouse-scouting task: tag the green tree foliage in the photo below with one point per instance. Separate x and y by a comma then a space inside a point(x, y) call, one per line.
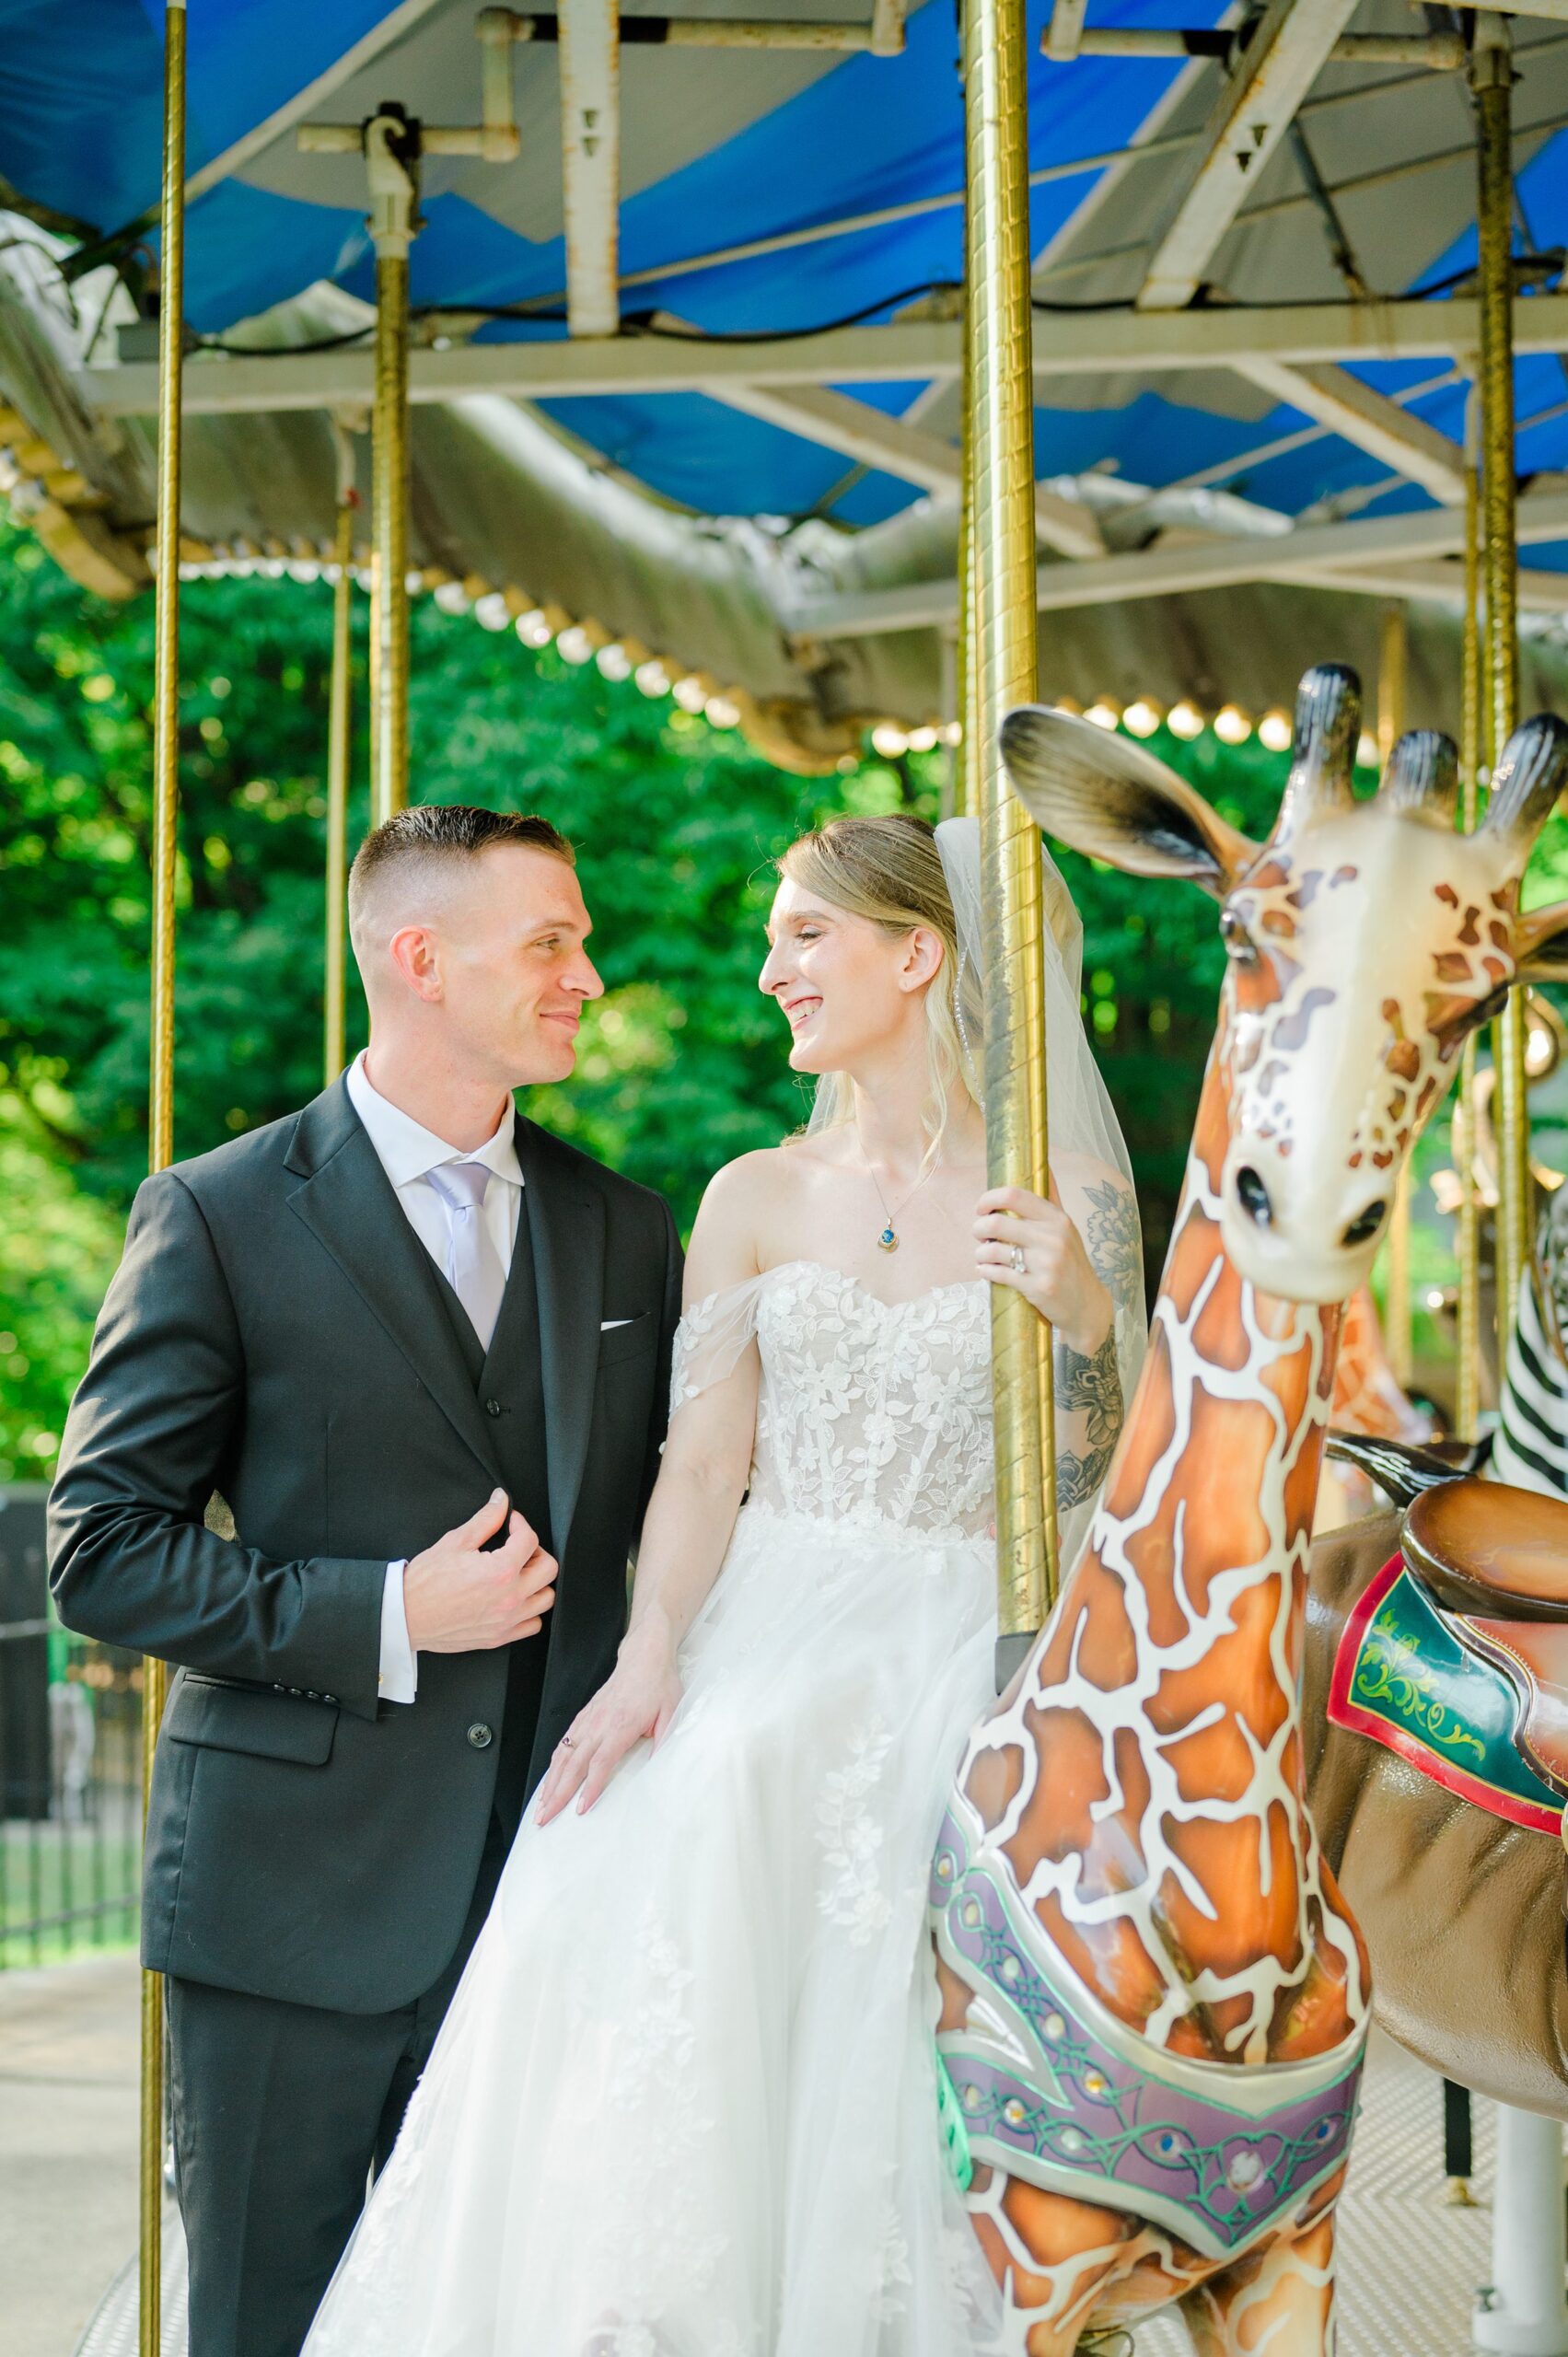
point(682, 1064)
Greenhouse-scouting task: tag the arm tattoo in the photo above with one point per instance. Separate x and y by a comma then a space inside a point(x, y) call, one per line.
point(1090, 1389)
point(1111, 1240)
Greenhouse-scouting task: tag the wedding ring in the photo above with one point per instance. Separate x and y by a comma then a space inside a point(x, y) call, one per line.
point(1020, 1266)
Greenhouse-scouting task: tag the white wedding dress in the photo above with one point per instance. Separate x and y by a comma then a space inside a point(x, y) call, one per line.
point(684, 2103)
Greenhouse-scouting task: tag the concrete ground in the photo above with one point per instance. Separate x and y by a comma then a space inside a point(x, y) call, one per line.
point(68, 2110)
point(68, 2105)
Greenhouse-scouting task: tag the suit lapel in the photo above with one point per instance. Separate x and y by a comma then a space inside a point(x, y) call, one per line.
point(566, 1224)
point(350, 1206)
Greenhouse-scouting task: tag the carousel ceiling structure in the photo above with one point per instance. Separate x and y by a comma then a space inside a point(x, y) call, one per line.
point(685, 381)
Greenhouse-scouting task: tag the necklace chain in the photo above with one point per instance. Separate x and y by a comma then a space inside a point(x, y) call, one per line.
point(889, 1240)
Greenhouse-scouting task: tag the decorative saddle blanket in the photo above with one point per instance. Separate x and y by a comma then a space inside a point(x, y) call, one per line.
point(1047, 2084)
point(1479, 1704)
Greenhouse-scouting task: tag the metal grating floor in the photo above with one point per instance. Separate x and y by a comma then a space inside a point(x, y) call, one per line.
point(1410, 2264)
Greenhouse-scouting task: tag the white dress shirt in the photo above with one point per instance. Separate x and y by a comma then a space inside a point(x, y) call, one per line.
point(408, 1153)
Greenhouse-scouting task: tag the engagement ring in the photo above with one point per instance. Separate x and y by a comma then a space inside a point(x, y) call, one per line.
point(1020, 1265)
point(566, 1743)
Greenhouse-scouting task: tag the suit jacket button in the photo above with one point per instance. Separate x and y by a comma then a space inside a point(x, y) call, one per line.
point(493, 1407)
point(479, 1736)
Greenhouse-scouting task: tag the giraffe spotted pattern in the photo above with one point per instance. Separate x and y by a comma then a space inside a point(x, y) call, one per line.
point(1136, 1805)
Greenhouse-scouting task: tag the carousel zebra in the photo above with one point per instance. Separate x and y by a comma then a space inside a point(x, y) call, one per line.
point(1531, 1448)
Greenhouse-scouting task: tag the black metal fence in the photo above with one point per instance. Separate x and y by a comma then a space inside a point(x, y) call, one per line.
point(70, 1765)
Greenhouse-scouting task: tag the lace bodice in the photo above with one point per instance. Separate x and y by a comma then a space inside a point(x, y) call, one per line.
point(868, 1411)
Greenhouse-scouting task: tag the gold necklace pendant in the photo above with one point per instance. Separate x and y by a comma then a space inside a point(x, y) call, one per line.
point(888, 1241)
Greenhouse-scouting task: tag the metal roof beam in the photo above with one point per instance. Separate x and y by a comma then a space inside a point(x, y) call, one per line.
point(887, 28)
point(1440, 52)
point(360, 54)
point(893, 447)
point(1294, 41)
point(1358, 413)
point(1442, 582)
point(590, 144)
point(907, 351)
point(1308, 554)
point(1065, 30)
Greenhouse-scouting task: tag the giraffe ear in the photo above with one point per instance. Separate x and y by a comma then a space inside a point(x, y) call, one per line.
point(1541, 943)
point(1109, 799)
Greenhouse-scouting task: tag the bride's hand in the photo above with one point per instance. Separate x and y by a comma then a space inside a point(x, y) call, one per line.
point(1032, 1246)
point(638, 1699)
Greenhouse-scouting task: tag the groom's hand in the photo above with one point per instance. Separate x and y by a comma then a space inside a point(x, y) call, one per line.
point(462, 1596)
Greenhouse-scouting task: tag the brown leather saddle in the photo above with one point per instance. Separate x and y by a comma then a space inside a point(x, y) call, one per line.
point(1495, 1561)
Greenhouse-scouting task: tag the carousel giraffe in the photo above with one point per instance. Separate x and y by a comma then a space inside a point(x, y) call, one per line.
point(1154, 2000)
point(1369, 1399)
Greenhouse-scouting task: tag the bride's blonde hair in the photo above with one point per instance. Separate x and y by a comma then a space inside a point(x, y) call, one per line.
point(890, 872)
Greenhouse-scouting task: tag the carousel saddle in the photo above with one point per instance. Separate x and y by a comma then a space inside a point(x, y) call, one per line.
point(1482, 1547)
point(1457, 1656)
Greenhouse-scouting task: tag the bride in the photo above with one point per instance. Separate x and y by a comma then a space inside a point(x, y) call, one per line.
point(684, 2103)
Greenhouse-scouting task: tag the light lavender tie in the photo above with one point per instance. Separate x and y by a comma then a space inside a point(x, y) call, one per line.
point(473, 1265)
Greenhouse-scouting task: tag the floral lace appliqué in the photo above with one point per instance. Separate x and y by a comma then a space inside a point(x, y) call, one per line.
point(869, 1412)
point(855, 1898)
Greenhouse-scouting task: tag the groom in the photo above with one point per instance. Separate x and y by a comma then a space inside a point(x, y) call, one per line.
point(421, 1350)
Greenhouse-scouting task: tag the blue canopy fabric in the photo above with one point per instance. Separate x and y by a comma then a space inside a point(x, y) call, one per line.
point(722, 148)
point(80, 106)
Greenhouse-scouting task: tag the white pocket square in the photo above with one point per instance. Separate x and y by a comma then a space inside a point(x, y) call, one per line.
point(605, 1324)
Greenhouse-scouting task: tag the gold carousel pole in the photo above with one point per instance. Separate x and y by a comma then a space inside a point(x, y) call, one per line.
point(161, 1140)
point(1467, 1393)
point(1391, 677)
point(1491, 77)
point(967, 666)
point(1005, 673)
point(340, 735)
point(391, 152)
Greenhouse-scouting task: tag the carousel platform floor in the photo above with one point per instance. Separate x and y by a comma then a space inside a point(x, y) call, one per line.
point(67, 2190)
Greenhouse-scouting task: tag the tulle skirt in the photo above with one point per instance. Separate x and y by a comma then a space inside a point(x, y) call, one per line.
point(684, 2103)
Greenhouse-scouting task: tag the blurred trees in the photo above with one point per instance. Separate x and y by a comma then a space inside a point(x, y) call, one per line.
point(682, 1064)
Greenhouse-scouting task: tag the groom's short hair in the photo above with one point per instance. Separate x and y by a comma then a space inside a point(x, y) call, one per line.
point(434, 834)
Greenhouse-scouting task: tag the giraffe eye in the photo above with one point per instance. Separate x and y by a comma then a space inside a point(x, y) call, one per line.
point(1240, 945)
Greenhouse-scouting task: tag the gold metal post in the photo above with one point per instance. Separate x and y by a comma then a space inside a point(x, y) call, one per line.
point(339, 745)
point(1491, 80)
point(1391, 676)
point(160, 1124)
point(967, 663)
point(1467, 1392)
point(391, 155)
point(389, 496)
point(1006, 673)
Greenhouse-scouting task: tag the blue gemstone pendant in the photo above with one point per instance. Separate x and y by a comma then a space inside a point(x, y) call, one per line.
point(888, 1241)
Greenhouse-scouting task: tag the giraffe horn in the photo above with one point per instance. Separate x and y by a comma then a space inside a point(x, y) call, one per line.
point(1327, 723)
point(1423, 774)
point(1527, 782)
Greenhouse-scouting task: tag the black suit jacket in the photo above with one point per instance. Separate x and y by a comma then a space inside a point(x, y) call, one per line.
point(276, 1333)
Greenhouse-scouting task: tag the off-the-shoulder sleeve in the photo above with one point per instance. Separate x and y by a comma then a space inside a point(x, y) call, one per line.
point(712, 1339)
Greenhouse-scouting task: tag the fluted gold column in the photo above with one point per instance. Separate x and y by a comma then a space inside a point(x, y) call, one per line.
point(1492, 82)
point(968, 665)
point(1392, 673)
point(1467, 1391)
point(389, 501)
point(161, 1140)
point(392, 158)
point(1001, 398)
point(340, 737)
